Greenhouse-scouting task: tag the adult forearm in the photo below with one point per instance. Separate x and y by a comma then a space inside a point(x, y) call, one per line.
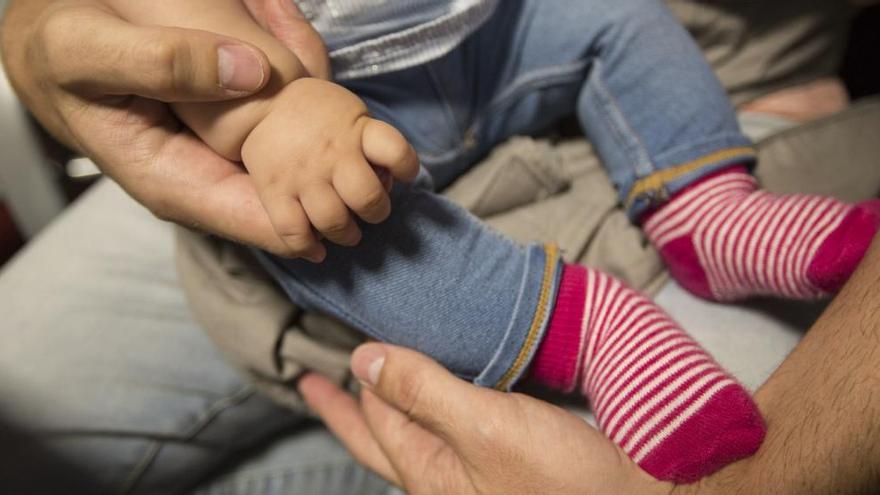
point(822, 405)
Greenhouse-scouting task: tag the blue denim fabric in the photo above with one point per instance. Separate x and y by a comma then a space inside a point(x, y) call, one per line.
point(628, 70)
point(433, 277)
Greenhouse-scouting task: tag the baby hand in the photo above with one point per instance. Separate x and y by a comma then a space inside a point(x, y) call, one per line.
point(317, 157)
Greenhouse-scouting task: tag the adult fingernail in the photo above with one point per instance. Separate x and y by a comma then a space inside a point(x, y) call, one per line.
point(367, 362)
point(240, 68)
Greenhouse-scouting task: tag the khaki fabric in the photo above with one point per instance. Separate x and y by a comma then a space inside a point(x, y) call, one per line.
point(757, 47)
point(531, 190)
point(536, 190)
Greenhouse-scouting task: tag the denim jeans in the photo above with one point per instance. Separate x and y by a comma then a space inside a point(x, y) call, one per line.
point(434, 278)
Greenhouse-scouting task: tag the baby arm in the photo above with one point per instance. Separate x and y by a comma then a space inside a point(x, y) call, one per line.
point(312, 149)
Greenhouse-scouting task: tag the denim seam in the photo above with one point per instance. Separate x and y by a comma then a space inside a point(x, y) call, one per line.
point(661, 177)
point(444, 99)
point(481, 378)
point(540, 316)
point(618, 123)
point(721, 137)
point(257, 475)
point(544, 77)
point(537, 79)
point(202, 422)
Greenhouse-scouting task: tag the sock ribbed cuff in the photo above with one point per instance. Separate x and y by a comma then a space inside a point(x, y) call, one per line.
point(556, 360)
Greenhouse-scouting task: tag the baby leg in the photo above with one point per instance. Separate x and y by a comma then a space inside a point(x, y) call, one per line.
point(434, 278)
point(669, 137)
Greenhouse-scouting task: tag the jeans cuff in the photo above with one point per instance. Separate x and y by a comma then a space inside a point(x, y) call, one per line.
point(530, 316)
point(655, 189)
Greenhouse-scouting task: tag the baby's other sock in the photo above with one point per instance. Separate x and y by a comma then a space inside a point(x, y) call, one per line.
point(725, 239)
point(655, 392)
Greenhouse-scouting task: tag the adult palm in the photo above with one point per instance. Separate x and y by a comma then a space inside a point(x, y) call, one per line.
point(101, 84)
point(428, 432)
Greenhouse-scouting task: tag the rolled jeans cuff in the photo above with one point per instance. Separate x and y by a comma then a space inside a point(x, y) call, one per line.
point(531, 314)
point(656, 188)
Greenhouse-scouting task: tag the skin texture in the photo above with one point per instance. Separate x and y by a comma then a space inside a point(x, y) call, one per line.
point(428, 432)
point(102, 85)
point(804, 102)
point(425, 430)
point(103, 95)
point(308, 143)
point(822, 405)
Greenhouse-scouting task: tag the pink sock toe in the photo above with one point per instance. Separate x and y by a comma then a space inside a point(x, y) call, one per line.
point(684, 265)
point(723, 238)
point(726, 429)
point(654, 391)
point(843, 249)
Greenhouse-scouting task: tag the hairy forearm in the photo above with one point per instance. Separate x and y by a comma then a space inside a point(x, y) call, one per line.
point(822, 405)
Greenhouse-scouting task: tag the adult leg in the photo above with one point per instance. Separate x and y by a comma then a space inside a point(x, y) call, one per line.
point(105, 376)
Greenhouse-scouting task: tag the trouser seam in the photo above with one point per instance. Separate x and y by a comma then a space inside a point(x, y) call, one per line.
point(657, 180)
point(208, 416)
point(541, 78)
point(256, 475)
point(540, 317)
point(626, 136)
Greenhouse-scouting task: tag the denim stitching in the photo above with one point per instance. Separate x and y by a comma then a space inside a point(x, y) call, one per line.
point(200, 424)
point(542, 78)
point(618, 123)
point(257, 475)
point(667, 175)
point(444, 99)
point(716, 138)
point(544, 302)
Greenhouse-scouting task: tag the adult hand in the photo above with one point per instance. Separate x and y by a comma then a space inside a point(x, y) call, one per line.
point(97, 83)
point(428, 432)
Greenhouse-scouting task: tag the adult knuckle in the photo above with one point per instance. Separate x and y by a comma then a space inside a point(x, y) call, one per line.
point(54, 41)
point(410, 392)
point(160, 207)
point(166, 60)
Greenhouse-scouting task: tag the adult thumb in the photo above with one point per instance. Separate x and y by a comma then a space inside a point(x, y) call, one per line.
point(160, 63)
point(417, 386)
point(286, 22)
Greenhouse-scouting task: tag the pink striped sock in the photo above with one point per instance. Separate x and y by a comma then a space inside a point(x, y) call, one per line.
point(654, 391)
point(724, 239)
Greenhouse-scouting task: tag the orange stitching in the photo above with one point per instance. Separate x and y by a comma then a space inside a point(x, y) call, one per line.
point(657, 180)
point(532, 337)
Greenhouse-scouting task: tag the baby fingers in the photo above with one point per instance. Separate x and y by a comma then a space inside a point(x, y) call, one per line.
point(362, 191)
point(329, 215)
point(293, 227)
point(384, 146)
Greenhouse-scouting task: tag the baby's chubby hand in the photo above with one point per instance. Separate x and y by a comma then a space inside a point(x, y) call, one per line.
point(314, 160)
